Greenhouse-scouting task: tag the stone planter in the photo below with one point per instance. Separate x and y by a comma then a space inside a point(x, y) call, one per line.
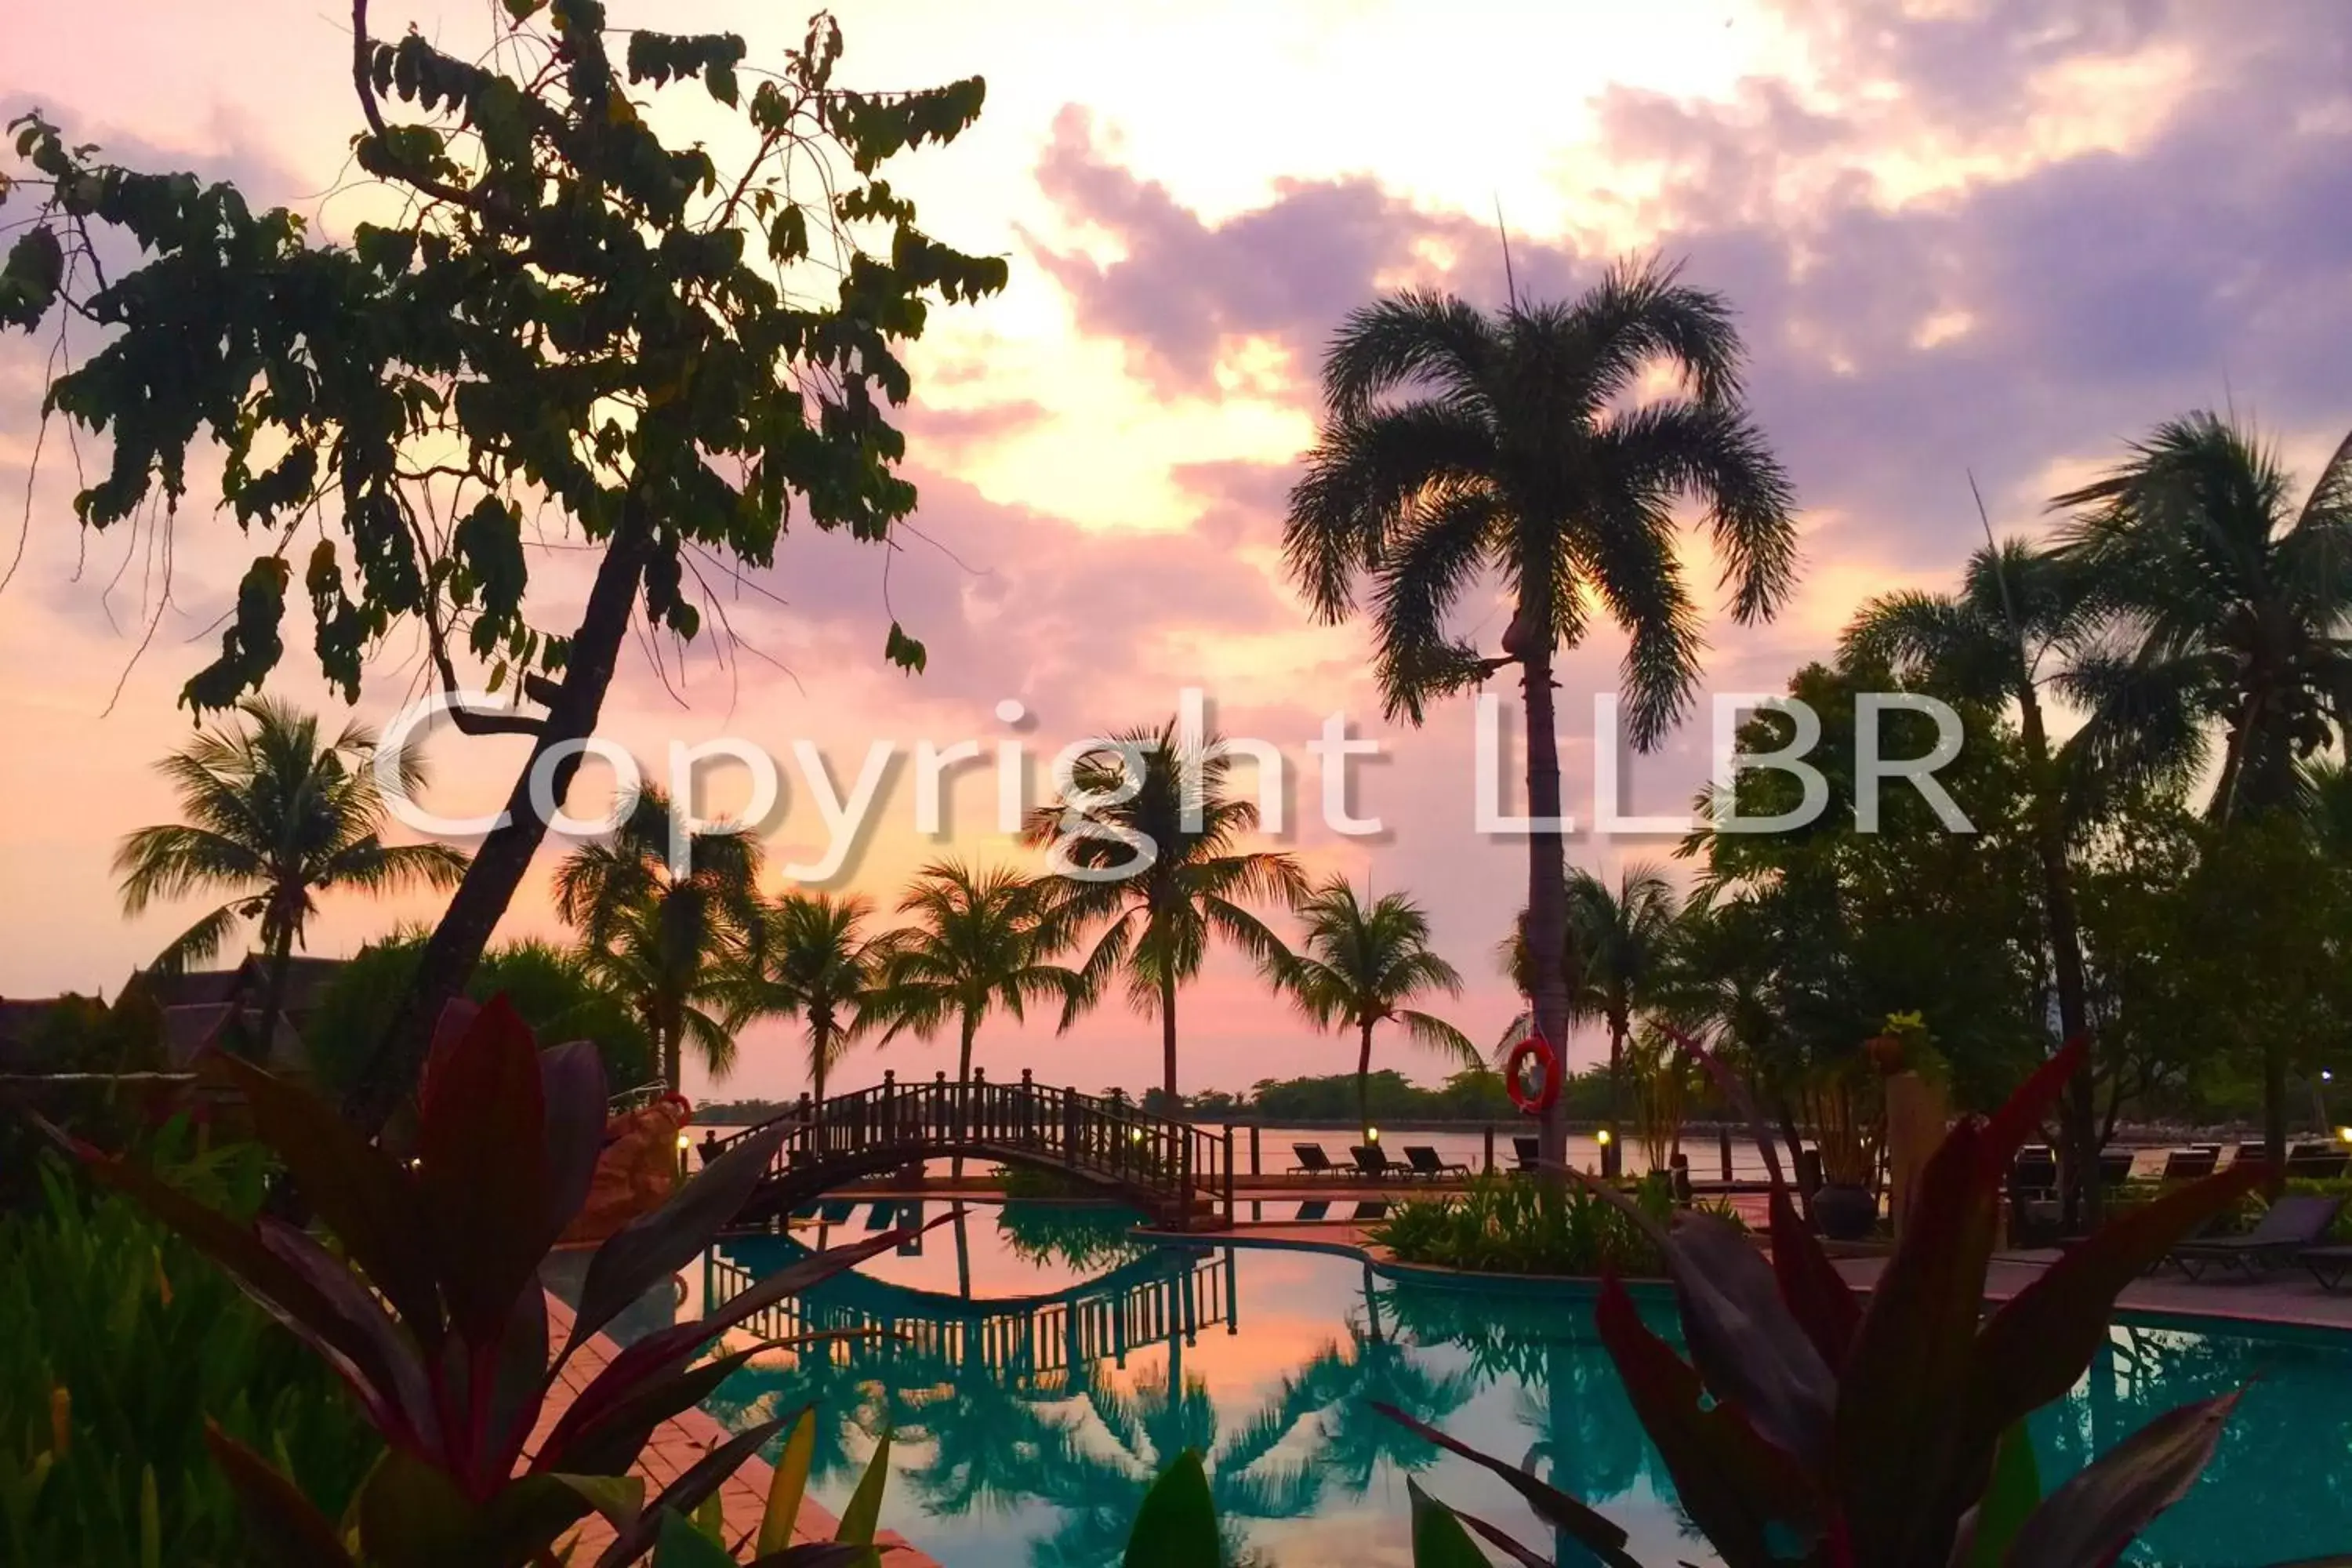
point(1845, 1213)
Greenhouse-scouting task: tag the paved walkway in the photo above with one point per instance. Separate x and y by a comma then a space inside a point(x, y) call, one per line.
point(677, 1444)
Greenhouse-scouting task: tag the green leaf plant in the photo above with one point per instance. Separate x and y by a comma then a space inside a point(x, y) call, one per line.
point(425, 1300)
point(572, 324)
point(1812, 1424)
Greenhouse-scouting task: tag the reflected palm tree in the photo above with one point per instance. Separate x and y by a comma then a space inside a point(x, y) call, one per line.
point(839, 1380)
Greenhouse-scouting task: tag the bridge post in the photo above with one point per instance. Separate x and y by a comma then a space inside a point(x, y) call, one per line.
point(942, 1103)
point(1229, 1174)
point(974, 1095)
point(1490, 1148)
point(885, 1110)
point(1028, 1108)
point(1070, 1123)
point(1254, 1149)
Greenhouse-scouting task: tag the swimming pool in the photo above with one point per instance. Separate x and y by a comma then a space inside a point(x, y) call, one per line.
point(1043, 1365)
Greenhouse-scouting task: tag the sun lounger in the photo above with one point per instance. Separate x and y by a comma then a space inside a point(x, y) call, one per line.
point(1529, 1151)
point(1312, 1161)
point(2189, 1165)
point(1370, 1162)
point(2114, 1167)
point(1426, 1162)
point(836, 1212)
point(1371, 1208)
point(2286, 1229)
point(1314, 1209)
point(2328, 1264)
point(2248, 1155)
point(883, 1217)
point(2316, 1162)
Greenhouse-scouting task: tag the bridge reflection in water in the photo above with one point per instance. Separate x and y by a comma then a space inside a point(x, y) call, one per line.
point(1166, 1296)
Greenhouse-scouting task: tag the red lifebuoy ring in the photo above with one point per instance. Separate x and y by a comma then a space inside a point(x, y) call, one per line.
point(1535, 1048)
point(684, 1107)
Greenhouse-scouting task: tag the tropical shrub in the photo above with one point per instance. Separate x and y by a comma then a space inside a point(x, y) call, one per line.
point(1499, 1225)
point(1086, 1238)
point(117, 1344)
point(430, 1307)
point(1812, 1426)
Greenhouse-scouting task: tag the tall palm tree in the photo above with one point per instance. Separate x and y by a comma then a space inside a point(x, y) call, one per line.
point(664, 942)
point(1159, 911)
point(1624, 933)
point(2019, 616)
point(814, 961)
point(979, 940)
point(2224, 606)
point(1457, 446)
point(274, 815)
point(1360, 966)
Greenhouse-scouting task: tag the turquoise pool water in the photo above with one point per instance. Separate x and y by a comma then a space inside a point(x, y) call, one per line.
point(1044, 1366)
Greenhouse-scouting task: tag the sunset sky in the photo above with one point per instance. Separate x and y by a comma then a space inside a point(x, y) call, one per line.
point(1988, 238)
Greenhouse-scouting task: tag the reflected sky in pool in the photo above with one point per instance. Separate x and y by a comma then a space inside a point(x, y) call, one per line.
point(1047, 1365)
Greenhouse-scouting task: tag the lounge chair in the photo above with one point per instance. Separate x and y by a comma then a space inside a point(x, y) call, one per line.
point(1426, 1162)
point(2287, 1228)
point(1314, 1209)
point(1528, 1151)
point(1370, 1208)
point(2248, 1155)
point(2328, 1264)
point(1312, 1161)
point(1372, 1162)
point(836, 1212)
point(883, 1217)
point(2189, 1165)
point(2315, 1162)
point(2114, 1167)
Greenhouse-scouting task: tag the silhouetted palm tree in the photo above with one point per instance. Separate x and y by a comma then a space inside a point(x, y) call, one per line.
point(1623, 933)
point(979, 941)
point(663, 940)
point(813, 960)
point(1359, 968)
point(2225, 605)
point(1522, 453)
point(2019, 616)
point(1159, 909)
point(275, 815)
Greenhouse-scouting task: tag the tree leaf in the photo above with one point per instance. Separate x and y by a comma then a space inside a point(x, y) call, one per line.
point(1176, 1527)
point(2100, 1508)
point(620, 1499)
point(2014, 1492)
point(904, 651)
point(680, 1544)
point(286, 1528)
point(788, 1485)
point(1438, 1539)
point(864, 1511)
point(1554, 1507)
point(481, 1141)
point(682, 1496)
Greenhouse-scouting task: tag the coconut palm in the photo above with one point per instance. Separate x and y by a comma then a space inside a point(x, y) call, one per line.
point(1624, 933)
point(2019, 616)
point(979, 940)
point(1360, 968)
point(1157, 868)
point(814, 961)
point(2225, 606)
point(1459, 447)
point(664, 940)
point(275, 815)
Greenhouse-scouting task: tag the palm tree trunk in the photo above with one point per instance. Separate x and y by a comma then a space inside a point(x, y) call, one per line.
point(1364, 1082)
point(1612, 1153)
point(1167, 1039)
point(497, 867)
point(2274, 1108)
point(2080, 1209)
point(673, 1049)
point(819, 1048)
point(964, 1078)
point(273, 990)
point(1547, 879)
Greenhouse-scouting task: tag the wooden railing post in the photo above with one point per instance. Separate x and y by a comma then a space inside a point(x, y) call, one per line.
point(1229, 1173)
point(1028, 1108)
point(1070, 1125)
point(885, 1113)
point(975, 1111)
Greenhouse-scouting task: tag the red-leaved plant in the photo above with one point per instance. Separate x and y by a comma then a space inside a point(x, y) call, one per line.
point(433, 1313)
point(1815, 1424)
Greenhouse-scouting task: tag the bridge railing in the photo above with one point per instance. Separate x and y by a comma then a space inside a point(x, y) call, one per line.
point(1108, 1137)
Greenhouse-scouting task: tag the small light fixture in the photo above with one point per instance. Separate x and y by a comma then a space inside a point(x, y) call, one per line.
point(684, 1142)
point(1372, 1134)
point(2344, 1134)
point(1135, 1135)
point(1602, 1138)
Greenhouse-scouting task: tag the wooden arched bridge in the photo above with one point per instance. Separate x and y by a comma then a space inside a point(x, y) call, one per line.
point(1167, 1296)
point(1181, 1175)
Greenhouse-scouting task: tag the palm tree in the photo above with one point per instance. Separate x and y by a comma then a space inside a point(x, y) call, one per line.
point(663, 940)
point(274, 815)
point(814, 961)
point(2020, 613)
point(1522, 453)
point(979, 940)
point(2222, 605)
point(1160, 907)
point(1361, 966)
point(1623, 933)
